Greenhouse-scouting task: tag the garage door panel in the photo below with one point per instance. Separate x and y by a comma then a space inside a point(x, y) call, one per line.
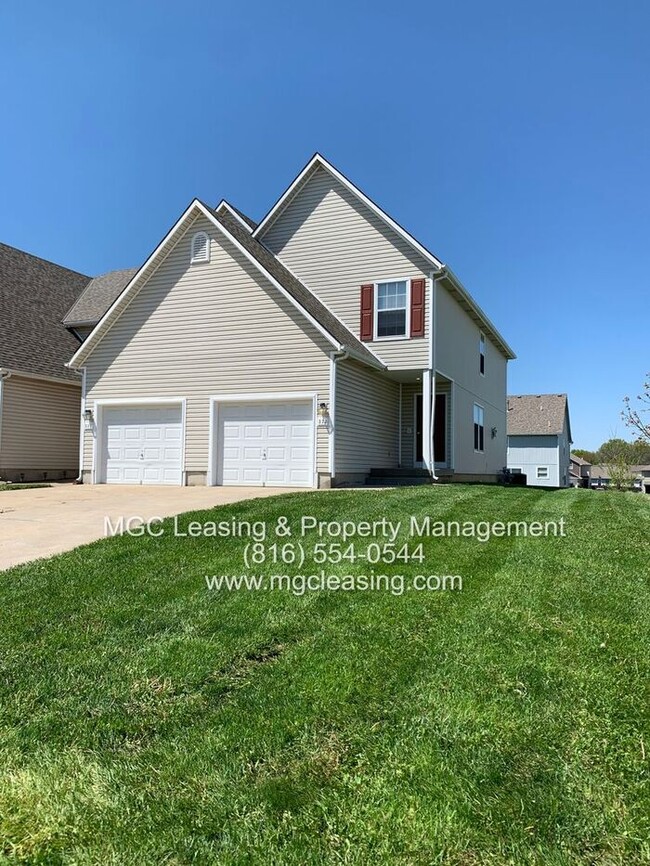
point(143, 445)
point(275, 443)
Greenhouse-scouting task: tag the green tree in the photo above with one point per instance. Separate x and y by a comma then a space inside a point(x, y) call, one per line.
point(589, 456)
point(617, 456)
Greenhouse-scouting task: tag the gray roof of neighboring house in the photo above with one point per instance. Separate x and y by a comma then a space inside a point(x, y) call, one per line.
point(579, 460)
point(599, 472)
point(307, 300)
point(34, 295)
point(602, 471)
point(536, 414)
point(97, 297)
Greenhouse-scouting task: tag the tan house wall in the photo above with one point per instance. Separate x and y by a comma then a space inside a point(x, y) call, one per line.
point(457, 358)
point(366, 421)
point(335, 244)
point(39, 439)
point(197, 331)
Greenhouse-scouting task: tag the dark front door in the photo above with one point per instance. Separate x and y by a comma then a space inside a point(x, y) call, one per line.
point(439, 429)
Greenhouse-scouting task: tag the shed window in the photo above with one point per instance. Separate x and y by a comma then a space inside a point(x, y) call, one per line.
point(200, 248)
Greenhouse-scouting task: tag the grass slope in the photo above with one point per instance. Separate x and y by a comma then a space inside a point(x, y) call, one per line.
point(145, 720)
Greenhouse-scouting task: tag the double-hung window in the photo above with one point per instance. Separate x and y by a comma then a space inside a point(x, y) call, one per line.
point(392, 304)
point(479, 428)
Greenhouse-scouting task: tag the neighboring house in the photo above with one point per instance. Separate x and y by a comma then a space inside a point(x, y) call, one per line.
point(539, 438)
point(601, 476)
point(40, 396)
point(95, 299)
point(579, 471)
point(305, 350)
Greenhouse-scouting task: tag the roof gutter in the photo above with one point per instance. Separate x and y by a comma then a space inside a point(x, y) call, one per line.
point(446, 273)
point(356, 356)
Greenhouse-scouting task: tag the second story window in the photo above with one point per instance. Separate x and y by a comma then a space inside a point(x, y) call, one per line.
point(391, 309)
point(200, 248)
point(481, 353)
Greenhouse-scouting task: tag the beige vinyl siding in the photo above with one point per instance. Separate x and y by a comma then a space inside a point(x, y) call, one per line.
point(366, 418)
point(409, 392)
point(197, 331)
point(457, 357)
point(40, 428)
point(335, 244)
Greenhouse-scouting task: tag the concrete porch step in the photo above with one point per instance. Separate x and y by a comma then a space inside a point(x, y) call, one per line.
point(399, 473)
point(397, 480)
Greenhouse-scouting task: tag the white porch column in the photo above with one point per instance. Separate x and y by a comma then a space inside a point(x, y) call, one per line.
point(427, 429)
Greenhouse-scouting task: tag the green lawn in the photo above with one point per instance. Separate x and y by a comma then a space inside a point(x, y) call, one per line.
point(146, 720)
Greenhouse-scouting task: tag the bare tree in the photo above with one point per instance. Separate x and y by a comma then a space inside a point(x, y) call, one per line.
point(638, 418)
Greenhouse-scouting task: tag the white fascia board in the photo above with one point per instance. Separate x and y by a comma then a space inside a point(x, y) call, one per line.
point(41, 377)
point(486, 323)
point(195, 207)
point(224, 231)
point(224, 204)
point(92, 338)
point(317, 159)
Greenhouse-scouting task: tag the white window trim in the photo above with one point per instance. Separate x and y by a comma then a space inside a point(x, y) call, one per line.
point(195, 260)
point(482, 408)
point(482, 343)
point(407, 310)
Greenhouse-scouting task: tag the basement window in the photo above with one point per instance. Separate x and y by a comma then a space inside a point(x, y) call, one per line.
point(542, 471)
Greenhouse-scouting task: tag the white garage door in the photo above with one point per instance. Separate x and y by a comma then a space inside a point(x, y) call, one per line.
point(142, 445)
point(269, 444)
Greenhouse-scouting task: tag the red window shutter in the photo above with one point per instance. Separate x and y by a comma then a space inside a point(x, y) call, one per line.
point(367, 311)
point(417, 308)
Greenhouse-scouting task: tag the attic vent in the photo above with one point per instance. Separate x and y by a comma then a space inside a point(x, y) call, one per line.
point(200, 248)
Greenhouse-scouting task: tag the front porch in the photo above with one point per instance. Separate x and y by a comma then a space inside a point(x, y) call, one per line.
point(413, 424)
point(413, 462)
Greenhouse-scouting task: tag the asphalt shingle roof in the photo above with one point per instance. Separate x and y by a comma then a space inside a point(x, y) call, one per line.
point(98, 296)
point(246, 219)
point(34, 295)
point(536, 414)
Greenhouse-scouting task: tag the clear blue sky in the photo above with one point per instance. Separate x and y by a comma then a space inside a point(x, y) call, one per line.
point(511, 138)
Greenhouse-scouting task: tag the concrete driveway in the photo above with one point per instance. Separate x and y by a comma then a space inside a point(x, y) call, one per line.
point(44, 521)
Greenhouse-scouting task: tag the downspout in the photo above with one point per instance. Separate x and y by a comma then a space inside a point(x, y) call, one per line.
point(4, 374)
point(339, 355)
point(432, 364)
point(80, 479)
